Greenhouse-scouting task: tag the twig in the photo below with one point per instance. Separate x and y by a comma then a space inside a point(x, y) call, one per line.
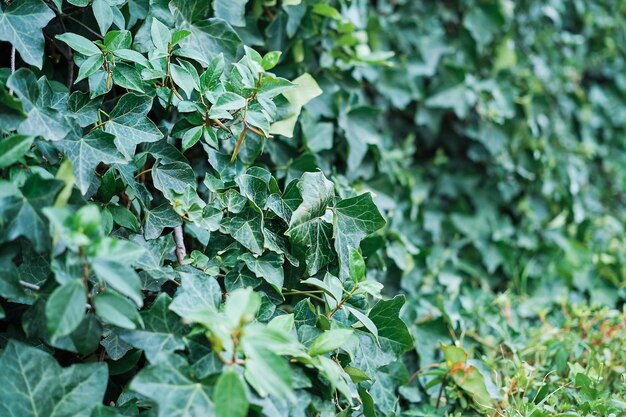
point(181, 251)
point(13, 60)
point(12, 64)
point(93, 32)
point(341, 303)
point(29, 286)
point(443, 384)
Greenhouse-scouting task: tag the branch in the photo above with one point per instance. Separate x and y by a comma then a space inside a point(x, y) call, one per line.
point(181, 251)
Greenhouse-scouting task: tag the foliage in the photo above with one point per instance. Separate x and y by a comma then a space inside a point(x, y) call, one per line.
point(201, 201)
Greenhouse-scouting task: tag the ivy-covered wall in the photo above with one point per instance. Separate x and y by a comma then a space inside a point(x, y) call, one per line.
point(312, 208)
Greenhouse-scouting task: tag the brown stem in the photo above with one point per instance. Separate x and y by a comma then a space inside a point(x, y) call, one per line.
point(341, 303)
point(242, 135)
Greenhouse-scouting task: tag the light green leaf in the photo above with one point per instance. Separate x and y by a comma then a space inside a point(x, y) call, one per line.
point(226, 102)
point(89, 66)
point(127, 76)
point(305, 90)
point(116, 310)
point(329, 341)
point(197, 292)
point(120, 277)
point(80, 44)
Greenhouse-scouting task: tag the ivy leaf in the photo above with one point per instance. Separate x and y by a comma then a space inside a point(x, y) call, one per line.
point(41, 119)
point(86, 152)
point(360, 127)
point(305, 90)
point(197, 292)
point(170, 386)
point(209, 37)
point(175, 176)
point(246, 228)
point(161, 332)
point(21, 25)
point(355, 218)
point(231, 396)
point(226, 102)
point(65, 308)
point(116, 310)
point(307, 229)
point(120, 277)
point(129, 124)
point(329, 341)
point(22, 210)
point(158, 219)
point(269, 267)
point(392, 332)
point(40, 387)
point(13, 148)
point(232, 11)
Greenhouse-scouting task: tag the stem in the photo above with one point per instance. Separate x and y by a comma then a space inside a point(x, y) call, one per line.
point(29, 286)
point(93, 32)
point(343, 300)
point(443, 384)
point(181, 251)
point(12, 65)
point(242, 135)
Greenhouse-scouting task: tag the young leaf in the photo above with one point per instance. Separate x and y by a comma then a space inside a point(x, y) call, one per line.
point(65, 308)
point(231, 396)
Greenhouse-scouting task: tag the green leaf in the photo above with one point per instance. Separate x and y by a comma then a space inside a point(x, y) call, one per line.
point(80, 44)
point(360, 126)
point(103, 14)
point(65, 308)
point(392, 332)
point(305, 90)
point(270, 60)
point(127, 76)
point(231, 396)
point(226, 102)
point(355, 218)
point(21, 24)
point(175, 176)
point(246, 228)
point(232, 11)
point(120, 277)
point(129, 124)
point(171, 387)
point(329, 341)
point(13, 148)
point(209, 37)
point(40, 387)
point(197, 292)
point(89, 66)
point(269, 267)
point(86, 152)
point(161, 333)
point(268, 373)
point(308, 230)
point(161, 36)
point(356, 265)
point(21, 210)
point(42, 119)
point(116, 310)
point(158, 219)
